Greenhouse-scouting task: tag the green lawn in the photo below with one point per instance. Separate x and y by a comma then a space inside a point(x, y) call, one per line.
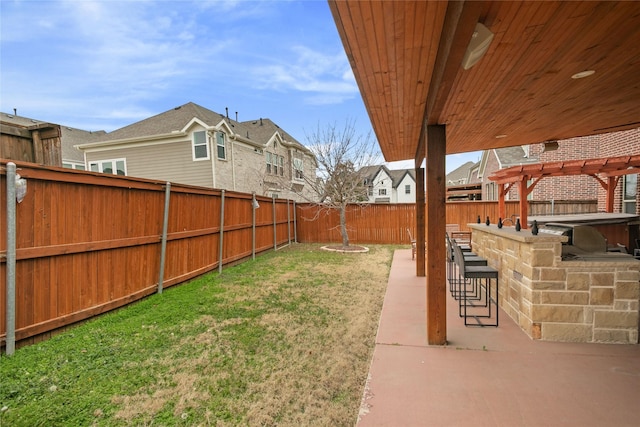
point(282, 340)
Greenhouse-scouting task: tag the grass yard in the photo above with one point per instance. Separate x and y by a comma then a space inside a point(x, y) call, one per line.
point(283, 340)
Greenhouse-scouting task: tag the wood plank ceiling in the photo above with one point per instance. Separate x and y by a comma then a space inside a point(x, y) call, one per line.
point(520, 92)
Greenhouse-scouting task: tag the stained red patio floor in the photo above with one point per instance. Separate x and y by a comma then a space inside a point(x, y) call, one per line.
point(489, 376)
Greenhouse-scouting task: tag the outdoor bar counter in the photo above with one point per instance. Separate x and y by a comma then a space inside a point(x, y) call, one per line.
point(561, 300)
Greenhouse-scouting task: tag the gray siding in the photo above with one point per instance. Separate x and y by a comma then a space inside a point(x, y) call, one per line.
point(167, 162)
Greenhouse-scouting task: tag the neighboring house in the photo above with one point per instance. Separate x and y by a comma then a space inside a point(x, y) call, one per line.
point(576, 187)
point(460, 175)
point(71, 157)
point(463, 183)
point(390, 186)
point(193, 145)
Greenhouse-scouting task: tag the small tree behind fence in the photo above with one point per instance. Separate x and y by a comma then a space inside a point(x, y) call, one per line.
point(87, 243)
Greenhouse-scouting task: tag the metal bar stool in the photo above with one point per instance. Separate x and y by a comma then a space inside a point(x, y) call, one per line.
point(482, 276)
point(455, 282)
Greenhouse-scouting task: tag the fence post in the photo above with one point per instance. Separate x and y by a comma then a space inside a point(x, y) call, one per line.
point(221, 240)
point(295, 223)
point(10, 343)
point(254, 206)
point(275, 235)
point(165, 226)
point(288, 223)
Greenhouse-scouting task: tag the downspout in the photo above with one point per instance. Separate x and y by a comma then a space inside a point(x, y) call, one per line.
point(233, 164)
point(213, 160)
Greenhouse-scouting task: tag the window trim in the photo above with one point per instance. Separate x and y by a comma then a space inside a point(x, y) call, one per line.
point(114, 166)
point(205, 144)
point(221, 136)
point(629, 202)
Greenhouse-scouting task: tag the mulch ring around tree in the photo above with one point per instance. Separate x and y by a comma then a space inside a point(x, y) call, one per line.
point(346, 249)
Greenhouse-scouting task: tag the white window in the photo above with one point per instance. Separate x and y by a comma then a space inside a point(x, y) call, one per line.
point(73, 165)
point(222, 149)
point(629, 193)
point(382, 192)
point(298, 167)
point(407, 189)
point(115, 166)
point(200, 146)
point(275, 164)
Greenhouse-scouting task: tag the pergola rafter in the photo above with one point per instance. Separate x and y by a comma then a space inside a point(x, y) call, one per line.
point(607, 171)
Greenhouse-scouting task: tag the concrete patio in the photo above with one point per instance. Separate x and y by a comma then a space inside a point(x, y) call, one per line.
point(489, 376)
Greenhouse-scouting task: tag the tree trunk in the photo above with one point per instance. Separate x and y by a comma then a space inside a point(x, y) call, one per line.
point(343, 225)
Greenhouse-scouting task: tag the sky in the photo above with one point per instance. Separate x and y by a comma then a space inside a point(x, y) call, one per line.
point(102, 65)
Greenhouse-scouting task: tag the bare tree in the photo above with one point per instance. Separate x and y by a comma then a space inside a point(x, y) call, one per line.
point(341, 154)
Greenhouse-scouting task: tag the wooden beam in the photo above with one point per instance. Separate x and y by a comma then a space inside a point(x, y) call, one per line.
point(420, 223)
point(502, 208)
point(435, 232)
point(523, 201)
point(611, 187)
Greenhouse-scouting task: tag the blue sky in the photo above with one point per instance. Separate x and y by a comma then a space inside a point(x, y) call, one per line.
point(101, 65)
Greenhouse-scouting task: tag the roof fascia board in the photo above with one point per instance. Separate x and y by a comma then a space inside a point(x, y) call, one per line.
point(150, 140)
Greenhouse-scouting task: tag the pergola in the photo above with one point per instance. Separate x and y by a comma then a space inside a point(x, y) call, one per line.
point(607, 171)
point(434, 82)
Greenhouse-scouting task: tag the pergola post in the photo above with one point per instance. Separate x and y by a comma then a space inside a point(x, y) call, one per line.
point(523, 190)
point(611, 188)
point(502, 208)
point(420, 223)
point(435, 235)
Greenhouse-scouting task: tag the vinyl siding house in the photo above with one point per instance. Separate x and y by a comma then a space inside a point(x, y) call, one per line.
point(196, 146)
point(390, 186)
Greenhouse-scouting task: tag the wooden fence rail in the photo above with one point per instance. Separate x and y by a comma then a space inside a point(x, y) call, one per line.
point(388, 223)
point(87, 243)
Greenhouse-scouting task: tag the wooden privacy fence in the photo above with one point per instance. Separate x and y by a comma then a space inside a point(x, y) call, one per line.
point(384, 223)
point(87, 243)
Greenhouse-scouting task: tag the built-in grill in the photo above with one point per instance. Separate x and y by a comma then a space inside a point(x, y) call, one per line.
point(584, 243)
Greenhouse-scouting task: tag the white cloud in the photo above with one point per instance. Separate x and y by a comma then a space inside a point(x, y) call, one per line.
point(328, 76)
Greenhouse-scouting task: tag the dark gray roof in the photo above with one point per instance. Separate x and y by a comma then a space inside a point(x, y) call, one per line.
point(259, 131)
point(512, 156)
point(397, 175)
point(460, 175)
point(172, 120)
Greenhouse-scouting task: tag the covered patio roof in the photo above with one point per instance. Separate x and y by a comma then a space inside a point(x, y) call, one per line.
point(551, 70)
point(607, 171)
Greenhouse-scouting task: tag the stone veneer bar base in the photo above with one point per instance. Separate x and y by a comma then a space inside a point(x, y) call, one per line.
point(556, 300)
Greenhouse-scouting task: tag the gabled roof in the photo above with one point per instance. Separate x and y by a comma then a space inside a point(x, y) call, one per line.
point(258, 132)
point(460, 175)
point(513, 156)
point(173, 120)
point(398, 175)
point(369, 173)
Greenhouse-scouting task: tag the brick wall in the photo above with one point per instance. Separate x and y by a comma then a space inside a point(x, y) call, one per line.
point(579, 187)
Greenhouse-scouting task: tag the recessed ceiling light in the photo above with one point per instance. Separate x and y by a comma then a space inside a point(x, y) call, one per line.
point(501, 136)
point(583, 74)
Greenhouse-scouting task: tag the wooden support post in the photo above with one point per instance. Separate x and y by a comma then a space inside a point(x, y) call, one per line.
point(502, 208)
point(435, 235)
point(611, 188)
point(523, 201)
point(420, 223)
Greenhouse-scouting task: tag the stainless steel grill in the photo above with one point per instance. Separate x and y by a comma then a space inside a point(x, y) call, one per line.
point(584, 243)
